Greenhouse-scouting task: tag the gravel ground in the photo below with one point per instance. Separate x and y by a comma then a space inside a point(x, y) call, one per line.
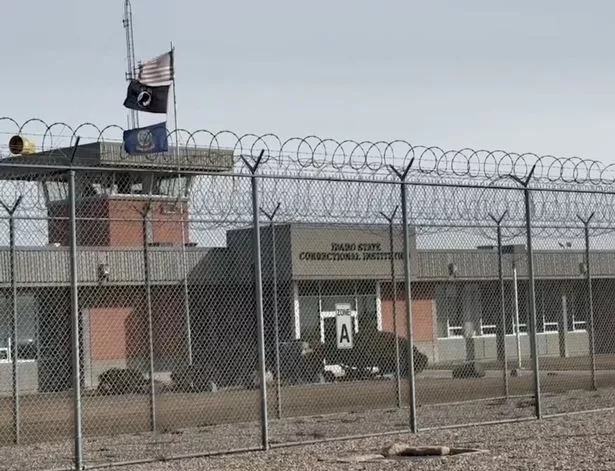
point(553, 444)
point(580, 442)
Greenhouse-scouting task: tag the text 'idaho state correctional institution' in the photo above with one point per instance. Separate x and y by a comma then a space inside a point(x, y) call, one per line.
point(351, 252)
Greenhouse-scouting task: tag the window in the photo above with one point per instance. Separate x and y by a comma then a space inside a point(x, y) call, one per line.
point(27, 327)
point(491, 309)
point(548, 307)
point(175, 187)
point(309, 316)
point(319, 297)
point(449, 310)
point(56, 191)
point(458, 301)
point(518, 307)
point(577, 308)
point(139, 184)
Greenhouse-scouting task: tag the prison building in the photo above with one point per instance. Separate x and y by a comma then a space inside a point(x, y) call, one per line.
point(202, 298)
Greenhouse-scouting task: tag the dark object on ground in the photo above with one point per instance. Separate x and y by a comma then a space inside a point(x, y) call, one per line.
point(469, 370)
point(299, 363)
point(227, 365)
point(211, 377)
point(376, 349)
point(420, 360)
point(122, 381)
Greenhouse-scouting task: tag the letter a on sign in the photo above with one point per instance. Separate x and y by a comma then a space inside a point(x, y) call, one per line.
point(343, 327)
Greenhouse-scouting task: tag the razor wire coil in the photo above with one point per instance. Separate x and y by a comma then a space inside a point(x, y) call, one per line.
point(328, 180)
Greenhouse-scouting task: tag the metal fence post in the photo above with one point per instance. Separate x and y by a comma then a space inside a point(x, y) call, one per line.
point(14, 349)
point(532, 313)
point(501, 330)
point(74, 282)
point(390, 220)
point(258, 281)
point(150, 326)
point(186, 293)
point(407, 278)
point(590, 303)
point(532, 291)
point(516, 308)
point(276, 320)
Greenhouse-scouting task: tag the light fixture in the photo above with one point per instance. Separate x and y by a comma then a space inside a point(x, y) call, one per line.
point(582, 268)
point(103, 272)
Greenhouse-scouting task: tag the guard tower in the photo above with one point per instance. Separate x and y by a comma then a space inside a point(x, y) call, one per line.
point(110, 203)
point(112, 191)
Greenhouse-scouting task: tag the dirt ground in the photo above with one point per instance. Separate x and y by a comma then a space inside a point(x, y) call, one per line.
point(49, 417)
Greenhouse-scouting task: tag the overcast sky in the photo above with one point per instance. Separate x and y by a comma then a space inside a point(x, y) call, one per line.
point(525, 76)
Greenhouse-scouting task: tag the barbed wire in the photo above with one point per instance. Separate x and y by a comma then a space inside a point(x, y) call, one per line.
point(328, 180)
point(331, 156)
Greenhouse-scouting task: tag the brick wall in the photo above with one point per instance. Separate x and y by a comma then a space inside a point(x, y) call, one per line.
point(109, 337)
point(423, 311)
point(118, 222)
point(92, 230)
point(126, 226)
point(119, 326)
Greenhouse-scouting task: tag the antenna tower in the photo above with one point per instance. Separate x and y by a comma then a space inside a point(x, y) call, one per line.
point(131, 73)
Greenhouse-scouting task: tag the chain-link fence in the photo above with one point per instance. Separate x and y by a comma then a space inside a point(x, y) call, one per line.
point(241, 292)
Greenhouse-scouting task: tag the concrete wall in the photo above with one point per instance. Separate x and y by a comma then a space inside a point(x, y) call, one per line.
point(454, 349)
point(27, 376)
point(347, 252)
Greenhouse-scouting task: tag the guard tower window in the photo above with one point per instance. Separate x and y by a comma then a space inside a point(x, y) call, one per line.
point(142, 184)
point(94, 185)
point(127, 184)
point(175, 186)
point(56, 191)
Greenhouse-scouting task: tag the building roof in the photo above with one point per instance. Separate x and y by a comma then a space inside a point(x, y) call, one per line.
point(49, 266)
point(112, 155)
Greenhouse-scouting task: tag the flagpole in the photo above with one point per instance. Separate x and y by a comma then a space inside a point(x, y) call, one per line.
point(182, 221)
point(175, 104)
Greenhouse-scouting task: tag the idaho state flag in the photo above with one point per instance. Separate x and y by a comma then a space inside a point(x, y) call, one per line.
point(142, 97)
point(147, 140)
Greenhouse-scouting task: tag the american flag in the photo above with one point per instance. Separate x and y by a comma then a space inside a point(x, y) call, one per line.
point(158, 71)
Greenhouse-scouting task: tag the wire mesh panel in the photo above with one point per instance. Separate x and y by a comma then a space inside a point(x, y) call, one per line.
point(470, 332)
point(35, 334)
point(602, 289)
point(347, 308)
point(212, 400)
point(115, 313)
point(341, 342)
point(168, 329)
point(572, 309)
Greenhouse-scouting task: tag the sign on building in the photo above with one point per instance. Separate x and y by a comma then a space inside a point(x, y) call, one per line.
point(343, 326)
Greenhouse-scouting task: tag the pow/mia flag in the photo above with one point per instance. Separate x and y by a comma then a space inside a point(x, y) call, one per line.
point(147, 140)
point(142, 97)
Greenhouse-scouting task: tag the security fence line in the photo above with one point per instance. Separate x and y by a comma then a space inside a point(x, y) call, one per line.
point(442, 179)
point(258, 248)
point(414, 424)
